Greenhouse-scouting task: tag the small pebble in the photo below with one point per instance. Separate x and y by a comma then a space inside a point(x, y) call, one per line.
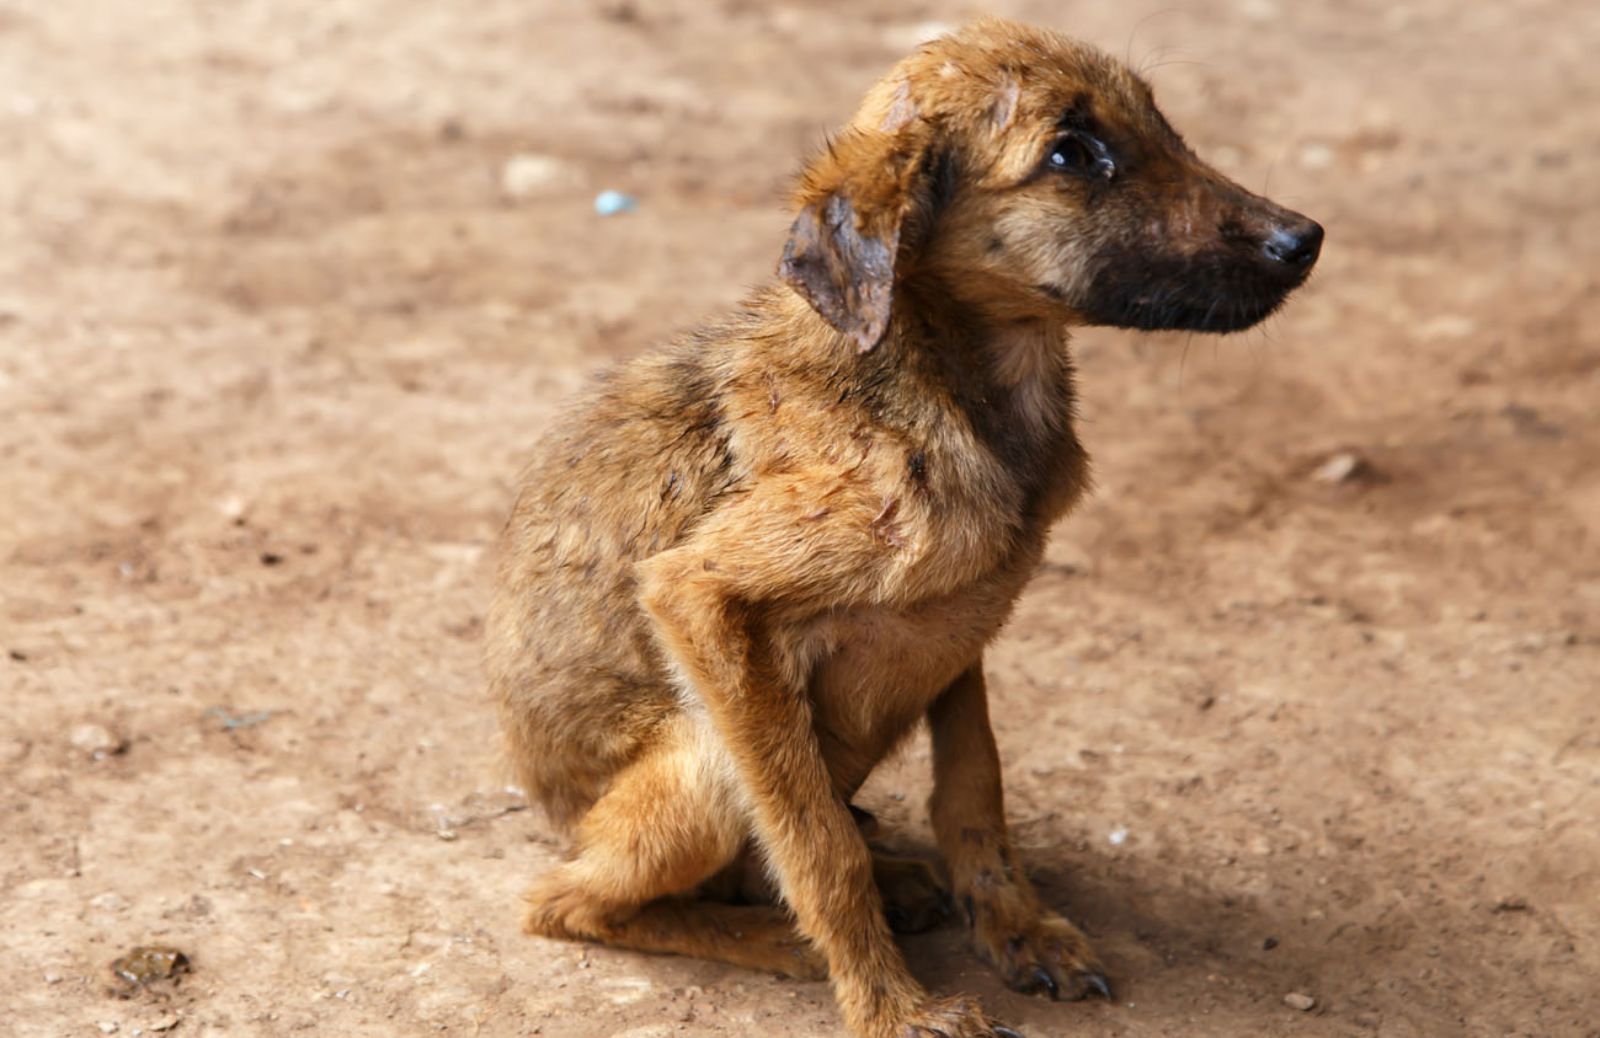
point(107, 1026)
point(1118, 837)
point(1302, 1002)
point(97, 741)
point(1316, 156)
point(527, 175)
point(610, 203)
point(1339, 468)
point(1448, 326)
point(149, 963)
point(53, 978)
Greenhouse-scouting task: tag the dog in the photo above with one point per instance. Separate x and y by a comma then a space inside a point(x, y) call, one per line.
point(747, 564)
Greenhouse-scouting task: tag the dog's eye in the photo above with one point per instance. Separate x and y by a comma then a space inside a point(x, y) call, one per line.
point(1081, 154)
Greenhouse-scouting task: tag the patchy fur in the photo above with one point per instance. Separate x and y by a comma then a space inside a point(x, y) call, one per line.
point(747, 564)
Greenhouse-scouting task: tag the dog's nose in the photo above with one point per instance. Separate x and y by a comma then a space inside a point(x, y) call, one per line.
point(1294, 244)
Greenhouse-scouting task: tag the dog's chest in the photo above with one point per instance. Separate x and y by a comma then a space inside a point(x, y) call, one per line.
point(875, 671)
point(979, 496)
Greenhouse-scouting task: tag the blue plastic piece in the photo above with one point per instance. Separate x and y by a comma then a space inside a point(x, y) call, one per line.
point(610, 203)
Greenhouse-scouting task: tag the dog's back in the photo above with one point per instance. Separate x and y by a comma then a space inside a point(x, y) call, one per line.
point(623, 474)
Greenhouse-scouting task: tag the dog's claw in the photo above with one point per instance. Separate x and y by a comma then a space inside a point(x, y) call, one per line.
point(1043, 979)
point(1006, 1032)
point(1097, 983)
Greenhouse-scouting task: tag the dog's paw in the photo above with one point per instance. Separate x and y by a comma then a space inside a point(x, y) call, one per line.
point(958, 1017)
point(1041, 953)
point(913, 898)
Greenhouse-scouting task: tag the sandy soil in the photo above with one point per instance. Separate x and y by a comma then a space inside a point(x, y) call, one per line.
point(274, 341)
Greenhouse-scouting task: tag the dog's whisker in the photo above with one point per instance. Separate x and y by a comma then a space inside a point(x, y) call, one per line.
point(1127, 51)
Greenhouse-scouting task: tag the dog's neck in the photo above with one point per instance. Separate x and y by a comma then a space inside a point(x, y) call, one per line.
point(1019, 367)
point(1030, 362)
point(1012, 378)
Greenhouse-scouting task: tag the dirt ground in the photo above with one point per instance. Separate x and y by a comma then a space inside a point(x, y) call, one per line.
point(275, 338)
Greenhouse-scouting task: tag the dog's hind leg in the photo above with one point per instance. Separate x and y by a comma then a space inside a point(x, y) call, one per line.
point(913, 898)
point(666, 824)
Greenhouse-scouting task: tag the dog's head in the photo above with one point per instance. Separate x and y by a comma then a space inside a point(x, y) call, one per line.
point(1032, 176)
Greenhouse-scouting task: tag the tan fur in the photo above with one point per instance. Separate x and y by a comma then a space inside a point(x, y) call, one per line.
point(746, 565)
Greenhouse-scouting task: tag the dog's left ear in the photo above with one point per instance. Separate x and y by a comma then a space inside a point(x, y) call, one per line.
point(844, 245)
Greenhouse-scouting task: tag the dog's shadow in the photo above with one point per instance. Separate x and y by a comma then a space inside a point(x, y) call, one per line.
point(1214, 955)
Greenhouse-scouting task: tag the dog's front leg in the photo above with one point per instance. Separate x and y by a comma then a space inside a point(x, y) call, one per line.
point(718, 603)
point(1035, 949)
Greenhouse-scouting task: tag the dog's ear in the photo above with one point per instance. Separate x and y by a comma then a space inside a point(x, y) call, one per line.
point(844, 271)
point(843, 247)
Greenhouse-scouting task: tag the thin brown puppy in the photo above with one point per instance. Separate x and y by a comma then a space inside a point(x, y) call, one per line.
point(748, 563)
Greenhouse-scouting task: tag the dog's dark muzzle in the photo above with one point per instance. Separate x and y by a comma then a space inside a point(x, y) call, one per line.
point(1235, 283)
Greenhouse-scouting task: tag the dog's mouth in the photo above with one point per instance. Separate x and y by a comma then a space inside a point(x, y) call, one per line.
point(1175, 311)
point(1200, 294)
